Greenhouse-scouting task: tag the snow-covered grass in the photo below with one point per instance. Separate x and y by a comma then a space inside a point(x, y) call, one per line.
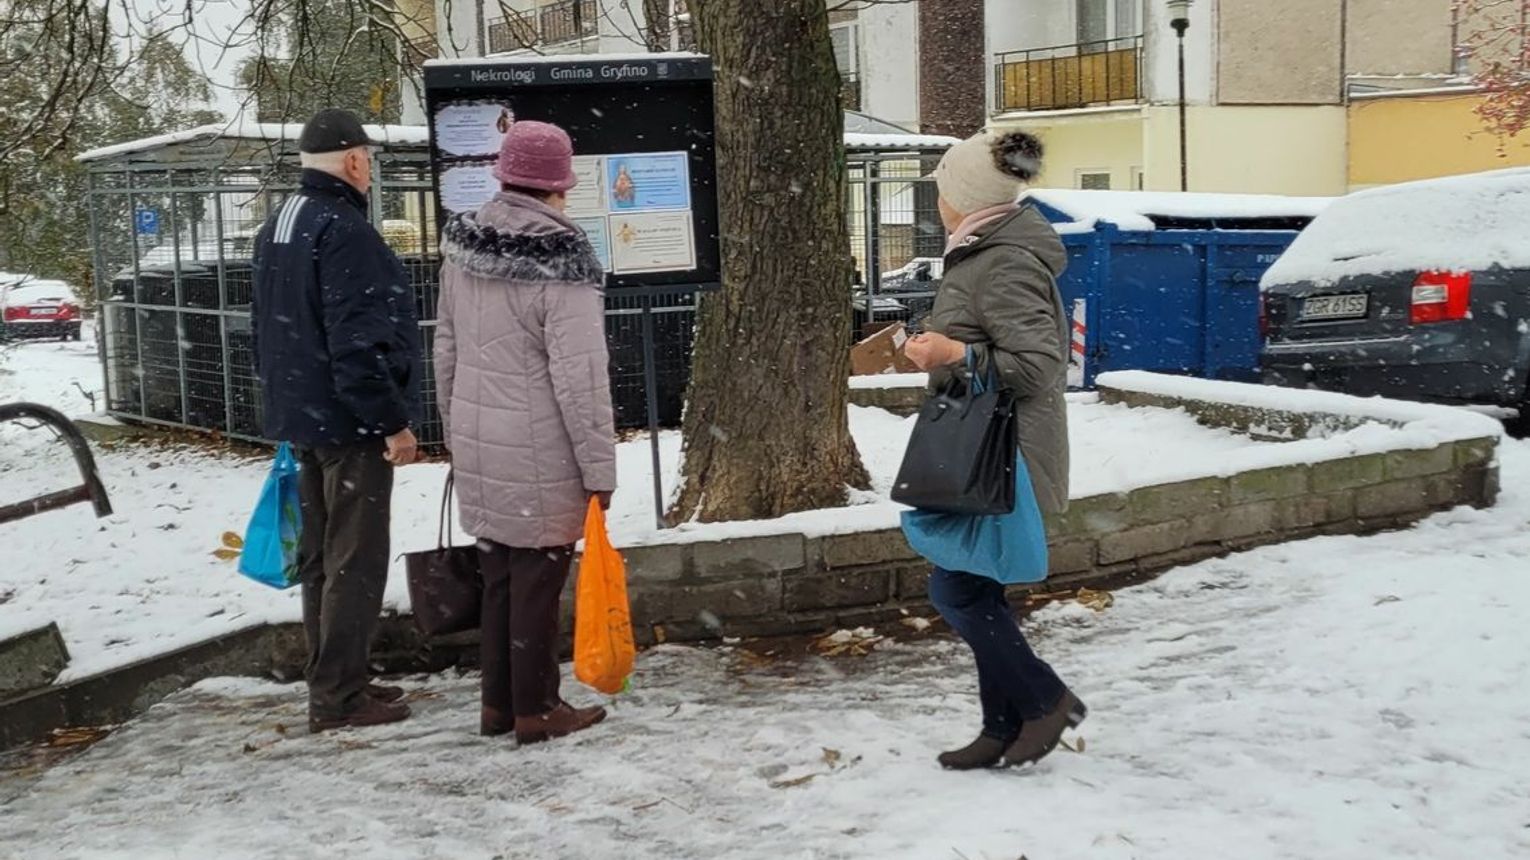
point(144, 580)
point(1338, 698)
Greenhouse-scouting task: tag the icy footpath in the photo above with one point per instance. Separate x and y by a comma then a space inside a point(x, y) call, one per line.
point(1341, 697)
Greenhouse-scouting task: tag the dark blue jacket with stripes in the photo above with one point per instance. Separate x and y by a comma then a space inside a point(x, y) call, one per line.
point(337, 342)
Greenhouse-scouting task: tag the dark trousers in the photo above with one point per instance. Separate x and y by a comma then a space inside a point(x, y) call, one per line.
point(518, 639)
point(1014, 684)
point(347, 494)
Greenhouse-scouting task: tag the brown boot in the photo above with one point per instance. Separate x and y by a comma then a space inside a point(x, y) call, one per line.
point(493, 722)
point(385, 692)
point(1039, 737)
point(371, 713)
point(986, 751)
point(562, 720)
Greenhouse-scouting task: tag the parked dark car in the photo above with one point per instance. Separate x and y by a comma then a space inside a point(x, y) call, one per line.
point(1418, 291)
point(39, 309)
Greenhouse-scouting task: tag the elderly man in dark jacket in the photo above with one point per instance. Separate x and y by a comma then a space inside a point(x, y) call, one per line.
point(338, 349)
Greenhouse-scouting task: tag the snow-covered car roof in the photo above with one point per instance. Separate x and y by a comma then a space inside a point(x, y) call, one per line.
point(38, 291)
point(1464, 223)
point(1143, 210)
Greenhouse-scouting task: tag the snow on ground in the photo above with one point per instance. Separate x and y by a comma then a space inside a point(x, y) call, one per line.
point(1340, 697)
point(145, 581)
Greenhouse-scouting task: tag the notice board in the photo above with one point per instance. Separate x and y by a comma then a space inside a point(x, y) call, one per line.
point(644, 151)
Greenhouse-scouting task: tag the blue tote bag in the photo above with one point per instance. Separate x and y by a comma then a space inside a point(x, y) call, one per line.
point(1010, 548)
point(270, 554)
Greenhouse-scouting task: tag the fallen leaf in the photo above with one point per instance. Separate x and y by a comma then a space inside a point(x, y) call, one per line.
point(793, 783)
point(830, 756)
point(1387, 598)
point(226, 554)
point(233, 541)
point(1080, 744)
point(916, 623)
point(1099, 601)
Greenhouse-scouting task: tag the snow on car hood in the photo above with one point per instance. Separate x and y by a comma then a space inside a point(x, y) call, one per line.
point(1463, 223)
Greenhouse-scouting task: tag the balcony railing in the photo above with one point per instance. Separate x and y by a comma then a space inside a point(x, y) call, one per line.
point(1069, 76)
point(552, 24)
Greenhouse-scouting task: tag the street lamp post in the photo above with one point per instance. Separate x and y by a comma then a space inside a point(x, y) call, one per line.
point(1179, 19)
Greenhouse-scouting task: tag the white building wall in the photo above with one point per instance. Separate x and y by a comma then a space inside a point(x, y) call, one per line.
point(457, 30)
point(889, 52)
point(1161, 71)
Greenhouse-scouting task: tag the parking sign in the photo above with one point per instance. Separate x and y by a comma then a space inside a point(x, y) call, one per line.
point(147, 221)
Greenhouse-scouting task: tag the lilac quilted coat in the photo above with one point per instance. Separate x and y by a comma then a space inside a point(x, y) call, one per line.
point(521, 372)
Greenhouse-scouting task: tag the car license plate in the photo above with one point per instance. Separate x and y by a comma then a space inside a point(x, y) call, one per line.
point(1352, 306)
point(43, 312)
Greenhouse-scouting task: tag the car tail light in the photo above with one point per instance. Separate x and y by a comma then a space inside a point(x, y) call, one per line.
point(1441, 297)
point(67, 311)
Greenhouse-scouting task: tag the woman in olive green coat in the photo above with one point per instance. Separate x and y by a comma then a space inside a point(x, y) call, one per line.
point(999, 309)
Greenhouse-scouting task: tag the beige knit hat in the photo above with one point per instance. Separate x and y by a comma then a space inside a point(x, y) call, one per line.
point(988, 170)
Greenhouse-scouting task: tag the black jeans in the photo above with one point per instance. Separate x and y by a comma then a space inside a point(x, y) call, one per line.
point(347, 496)
point(1014, 684)
point(518, 638)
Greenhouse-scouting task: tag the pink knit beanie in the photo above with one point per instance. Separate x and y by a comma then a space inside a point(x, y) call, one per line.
point(536, 155)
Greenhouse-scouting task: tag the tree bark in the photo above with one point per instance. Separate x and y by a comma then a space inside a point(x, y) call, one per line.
point(766, 427)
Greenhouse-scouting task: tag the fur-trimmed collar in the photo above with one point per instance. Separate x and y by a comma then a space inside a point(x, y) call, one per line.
point(482, 250)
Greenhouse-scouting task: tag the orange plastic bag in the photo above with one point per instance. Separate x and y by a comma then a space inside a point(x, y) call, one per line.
point(603, 647)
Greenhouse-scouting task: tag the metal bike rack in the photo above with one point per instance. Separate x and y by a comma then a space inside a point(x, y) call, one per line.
point(90, 491)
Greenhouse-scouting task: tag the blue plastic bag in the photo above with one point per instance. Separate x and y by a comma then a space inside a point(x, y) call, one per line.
point(1010, 548)
point(270, 554)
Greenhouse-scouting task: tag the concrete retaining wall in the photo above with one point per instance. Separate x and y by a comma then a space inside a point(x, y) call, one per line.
point(786, 584)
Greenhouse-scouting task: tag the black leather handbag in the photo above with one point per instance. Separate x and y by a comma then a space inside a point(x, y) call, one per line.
point(961, 456)
point(445, 588)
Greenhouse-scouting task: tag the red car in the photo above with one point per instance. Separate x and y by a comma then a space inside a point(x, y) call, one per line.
point(40, 309)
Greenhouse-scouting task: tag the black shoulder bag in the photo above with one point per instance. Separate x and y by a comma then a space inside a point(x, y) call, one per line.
point(961, 456)
point(445, 589)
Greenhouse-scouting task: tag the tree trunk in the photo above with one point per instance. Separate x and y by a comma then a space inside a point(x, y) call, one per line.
point(766, 427)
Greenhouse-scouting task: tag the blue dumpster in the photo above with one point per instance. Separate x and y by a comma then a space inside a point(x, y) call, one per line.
point(1170, 282)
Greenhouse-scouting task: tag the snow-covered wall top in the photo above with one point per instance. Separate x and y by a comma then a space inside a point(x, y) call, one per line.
point(405, 135)
point(1134, 210)
point(1405, 424)
point(1470, 222)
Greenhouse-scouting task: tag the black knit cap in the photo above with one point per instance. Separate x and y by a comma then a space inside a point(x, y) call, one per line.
point(332, 130)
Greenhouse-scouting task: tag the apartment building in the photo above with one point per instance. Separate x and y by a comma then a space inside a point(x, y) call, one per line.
point(874, 43)
point(1296, 97)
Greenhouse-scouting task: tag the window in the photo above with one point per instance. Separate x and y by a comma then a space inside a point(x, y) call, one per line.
point(1093, 180)
point(846, 53)
point(1138, 183)
point(1103, 20)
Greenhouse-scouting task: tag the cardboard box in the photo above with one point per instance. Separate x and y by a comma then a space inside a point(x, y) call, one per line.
point(882, 353)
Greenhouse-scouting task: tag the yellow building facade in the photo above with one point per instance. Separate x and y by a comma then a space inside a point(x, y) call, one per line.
point(1401, 137)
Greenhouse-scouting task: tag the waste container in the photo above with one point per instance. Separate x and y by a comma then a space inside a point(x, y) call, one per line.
point(1170, 282)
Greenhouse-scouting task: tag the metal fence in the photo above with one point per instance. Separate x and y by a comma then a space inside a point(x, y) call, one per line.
point(896, 237)
point(174, 301)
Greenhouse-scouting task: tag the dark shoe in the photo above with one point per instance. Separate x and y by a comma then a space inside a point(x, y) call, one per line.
point(986, 751)
point(371, 713)
point(385, 692)
point(562, 720)
point(492, 722)
point(1039, 737)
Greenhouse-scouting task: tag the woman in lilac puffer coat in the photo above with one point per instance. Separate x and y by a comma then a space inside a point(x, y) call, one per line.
point(524, 392)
